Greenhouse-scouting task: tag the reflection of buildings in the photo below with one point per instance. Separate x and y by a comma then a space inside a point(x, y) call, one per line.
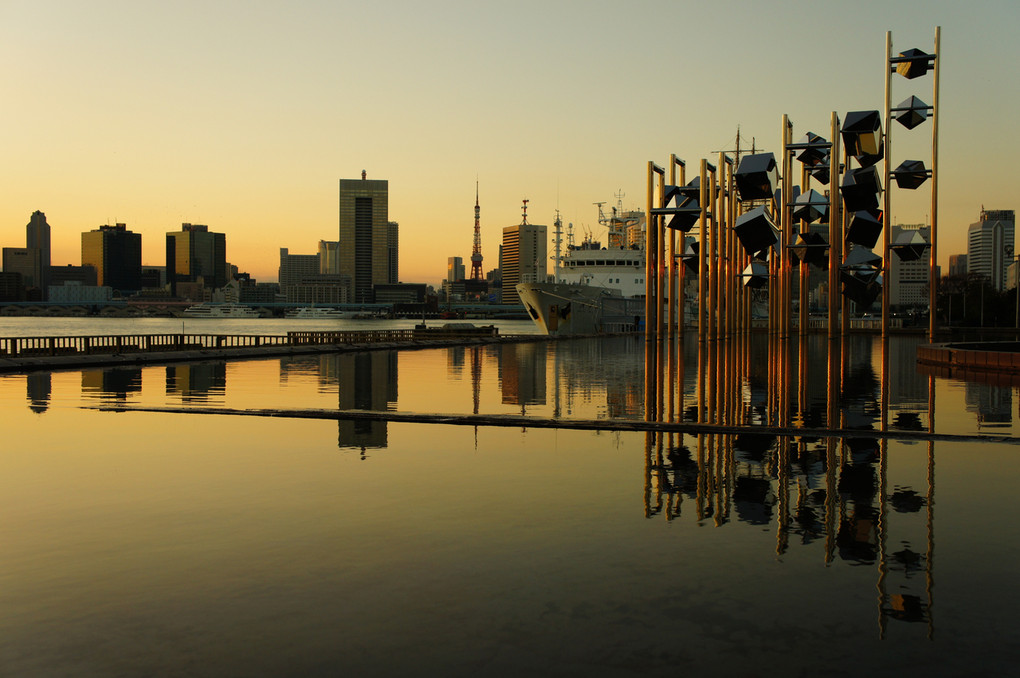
point(522, 374)
point(992, 404)
point(39, 386)
point(112, 384)
point(367, 381)
point(196, 381)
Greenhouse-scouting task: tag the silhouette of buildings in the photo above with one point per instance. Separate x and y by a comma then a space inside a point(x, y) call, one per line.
point(196, 255)
point(37, 239)
point(116, 255)
point(522, 258)
point(31, 262)
point(368, 240)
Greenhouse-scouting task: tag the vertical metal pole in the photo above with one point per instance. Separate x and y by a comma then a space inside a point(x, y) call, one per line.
point(671, 293)
point(887, 196)
point(786, 217)
point(933, 262)
point(650, 263)
point(835, 235)
point(660, 251)
point(703, 253)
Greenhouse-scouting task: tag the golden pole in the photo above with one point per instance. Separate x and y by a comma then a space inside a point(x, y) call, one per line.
point(933, 265)
point(650, 263)
point(835, 234)
point(702, 252)
point(887, 197)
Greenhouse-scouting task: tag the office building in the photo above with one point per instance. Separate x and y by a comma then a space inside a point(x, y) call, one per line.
point(24, 262)
point(958, 264)
point(522, 258)
point(908, 280)
point(367, 238)
point(991, 247)
point(195, 256)
point(37, 238)
point(329, 257)
point(116, 254)
point(455, 269)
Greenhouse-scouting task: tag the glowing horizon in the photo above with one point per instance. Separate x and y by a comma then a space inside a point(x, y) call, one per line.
point(245, 117)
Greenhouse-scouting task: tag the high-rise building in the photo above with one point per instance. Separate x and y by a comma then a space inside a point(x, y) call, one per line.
point(296, 268)
point(368, 240)
point(116, 254)
point(990, 246)
point(329, 257)
point(957, 264)
point(908, 280)
point(37, 238)
point(455, 269)
point(196, 254)
point(523, 257)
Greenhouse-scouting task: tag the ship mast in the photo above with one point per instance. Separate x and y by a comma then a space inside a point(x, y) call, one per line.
point(557, 242)
point(476, 252)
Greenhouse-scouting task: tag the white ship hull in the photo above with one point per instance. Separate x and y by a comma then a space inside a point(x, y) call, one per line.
point(568, 309)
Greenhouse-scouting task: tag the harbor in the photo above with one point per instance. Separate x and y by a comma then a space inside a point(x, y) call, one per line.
point(302, 495)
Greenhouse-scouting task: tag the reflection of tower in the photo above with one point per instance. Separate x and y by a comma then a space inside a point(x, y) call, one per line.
point(114, 384)
point(38, 386)
point(476, 251)
point(367, 381)
point(522, 374)
point(196, 381)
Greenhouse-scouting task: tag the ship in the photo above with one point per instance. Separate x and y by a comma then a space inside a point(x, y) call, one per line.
point(207, 310)
point(319, 313)
point(596, 289)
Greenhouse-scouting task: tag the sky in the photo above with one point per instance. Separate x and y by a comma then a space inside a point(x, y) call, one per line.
point(244, 115)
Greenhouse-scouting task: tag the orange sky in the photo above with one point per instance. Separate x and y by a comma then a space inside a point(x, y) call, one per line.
point(244, 116)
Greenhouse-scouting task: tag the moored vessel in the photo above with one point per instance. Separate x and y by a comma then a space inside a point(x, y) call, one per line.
point(211, 310)
point(597, 289)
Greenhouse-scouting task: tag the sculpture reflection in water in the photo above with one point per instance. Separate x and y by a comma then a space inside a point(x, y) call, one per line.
point(828, 494)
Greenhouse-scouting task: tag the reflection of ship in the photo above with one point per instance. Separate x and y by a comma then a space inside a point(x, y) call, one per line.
point(597, 289)
point(319, 313)
point(220, 311)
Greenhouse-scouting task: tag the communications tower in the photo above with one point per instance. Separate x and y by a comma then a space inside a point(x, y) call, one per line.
point(476, 252)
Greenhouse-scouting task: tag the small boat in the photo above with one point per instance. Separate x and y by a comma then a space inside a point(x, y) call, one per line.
point(208, 310)
point(319, 313)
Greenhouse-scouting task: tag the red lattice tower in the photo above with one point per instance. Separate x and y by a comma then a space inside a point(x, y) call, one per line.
point(476, 252)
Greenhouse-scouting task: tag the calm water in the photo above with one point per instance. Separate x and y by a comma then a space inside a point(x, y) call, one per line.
point(140, 543)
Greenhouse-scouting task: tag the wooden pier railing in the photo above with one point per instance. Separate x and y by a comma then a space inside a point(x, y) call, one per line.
point(24, 347)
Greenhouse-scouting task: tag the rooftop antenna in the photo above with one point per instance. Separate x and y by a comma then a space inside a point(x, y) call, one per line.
point(524, 218)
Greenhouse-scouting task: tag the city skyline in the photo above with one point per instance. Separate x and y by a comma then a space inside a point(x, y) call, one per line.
point(245, 120)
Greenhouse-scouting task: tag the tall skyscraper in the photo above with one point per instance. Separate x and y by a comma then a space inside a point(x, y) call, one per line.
point(908, 280)
point(194, 253)
point(37, 238)
point(991, 247)
point(116, 254)
point(329, 257)
point(523, 257)
point(368, 240)
point(455, 269)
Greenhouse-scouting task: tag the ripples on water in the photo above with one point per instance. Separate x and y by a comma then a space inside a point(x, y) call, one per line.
point(139, 543)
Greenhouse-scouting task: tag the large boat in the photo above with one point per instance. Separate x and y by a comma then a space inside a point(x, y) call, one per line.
point(598, 289)
point(208, 310)
point(319, 313)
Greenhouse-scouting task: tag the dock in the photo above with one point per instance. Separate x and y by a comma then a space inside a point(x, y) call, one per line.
point(24, 354)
